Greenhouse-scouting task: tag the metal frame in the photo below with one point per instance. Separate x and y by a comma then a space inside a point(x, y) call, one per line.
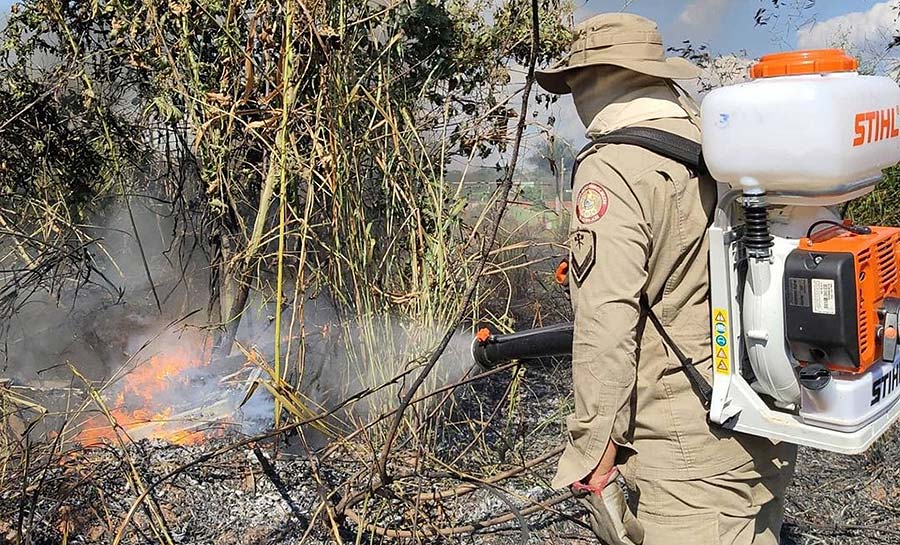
point(735, 405)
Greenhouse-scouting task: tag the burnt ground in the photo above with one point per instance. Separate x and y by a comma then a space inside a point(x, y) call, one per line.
point(254, 496)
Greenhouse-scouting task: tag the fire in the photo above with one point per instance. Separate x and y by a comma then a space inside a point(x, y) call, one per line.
point(154, 400)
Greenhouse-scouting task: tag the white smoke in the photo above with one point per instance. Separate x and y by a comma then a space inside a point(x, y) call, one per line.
point(111, 341)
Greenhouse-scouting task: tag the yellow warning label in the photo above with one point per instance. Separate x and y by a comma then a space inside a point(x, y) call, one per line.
point(720, 340)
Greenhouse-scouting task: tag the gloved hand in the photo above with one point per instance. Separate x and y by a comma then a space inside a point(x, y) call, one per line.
point(611, 519)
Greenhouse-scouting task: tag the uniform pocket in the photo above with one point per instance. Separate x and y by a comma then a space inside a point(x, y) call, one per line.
point(689, 529)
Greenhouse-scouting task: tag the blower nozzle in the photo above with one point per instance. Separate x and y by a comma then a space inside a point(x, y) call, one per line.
point(491, 350)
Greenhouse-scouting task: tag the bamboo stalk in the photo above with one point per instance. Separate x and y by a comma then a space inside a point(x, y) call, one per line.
point(287, 94)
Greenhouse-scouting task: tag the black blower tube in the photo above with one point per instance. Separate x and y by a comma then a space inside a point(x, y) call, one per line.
point(491, 350)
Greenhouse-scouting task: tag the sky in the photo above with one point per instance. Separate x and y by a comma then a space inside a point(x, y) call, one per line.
point(728, 25)
point(728, 28)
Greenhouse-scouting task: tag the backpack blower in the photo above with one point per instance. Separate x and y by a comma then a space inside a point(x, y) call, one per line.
point(804, 306)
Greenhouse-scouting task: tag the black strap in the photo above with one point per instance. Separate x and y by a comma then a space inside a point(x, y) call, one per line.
point(698, 383)
point(669, 145)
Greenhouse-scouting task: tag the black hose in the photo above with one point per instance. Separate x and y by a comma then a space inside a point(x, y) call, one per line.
point(757, 239)
point(554, 340)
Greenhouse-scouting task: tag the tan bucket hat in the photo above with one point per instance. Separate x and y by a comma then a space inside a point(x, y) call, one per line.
point(617, 39)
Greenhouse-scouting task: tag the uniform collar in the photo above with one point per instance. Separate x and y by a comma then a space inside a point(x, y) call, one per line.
point(646, 104)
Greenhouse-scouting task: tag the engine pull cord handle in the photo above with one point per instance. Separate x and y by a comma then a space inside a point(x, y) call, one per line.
point(891, 312)
point(855, 229)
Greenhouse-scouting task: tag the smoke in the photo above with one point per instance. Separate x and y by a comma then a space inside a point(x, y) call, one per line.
point(381, 352)
point(334, 358)
point(91, 325)
point(115, 335)
point(331, 361)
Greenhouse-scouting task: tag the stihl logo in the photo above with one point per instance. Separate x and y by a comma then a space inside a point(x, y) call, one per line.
point(875, 126)
point(883, 386)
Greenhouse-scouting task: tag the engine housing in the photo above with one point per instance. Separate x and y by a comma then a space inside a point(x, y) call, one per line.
point(835, 287)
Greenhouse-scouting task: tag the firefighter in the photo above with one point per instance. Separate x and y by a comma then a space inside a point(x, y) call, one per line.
point(638, 245)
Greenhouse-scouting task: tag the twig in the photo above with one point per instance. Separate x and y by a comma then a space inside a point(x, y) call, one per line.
point(272, 475)
point(56, 445)
point(845, 527)
point(321, 490)
point(469, 488)
point(23, 498)
point(463, 529)
point(137, 237)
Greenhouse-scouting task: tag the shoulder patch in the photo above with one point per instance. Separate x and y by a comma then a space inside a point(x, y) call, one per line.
point(583, 247)
point(591, 203)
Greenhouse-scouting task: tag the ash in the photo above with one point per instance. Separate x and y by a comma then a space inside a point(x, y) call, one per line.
point(228, 490)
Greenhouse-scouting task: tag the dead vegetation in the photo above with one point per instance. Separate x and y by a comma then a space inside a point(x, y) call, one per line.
point(485, 480)
point(297, 152)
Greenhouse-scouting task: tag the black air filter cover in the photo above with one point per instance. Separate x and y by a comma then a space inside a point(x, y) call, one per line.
point(820, 308)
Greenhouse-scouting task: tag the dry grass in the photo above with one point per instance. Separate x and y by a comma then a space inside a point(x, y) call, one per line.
point(302, 147)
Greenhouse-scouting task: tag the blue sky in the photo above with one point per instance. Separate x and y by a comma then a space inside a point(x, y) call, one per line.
point(727, 25)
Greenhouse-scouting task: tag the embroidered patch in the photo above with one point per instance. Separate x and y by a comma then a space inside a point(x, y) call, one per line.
point(583, 246)
point(592, 203)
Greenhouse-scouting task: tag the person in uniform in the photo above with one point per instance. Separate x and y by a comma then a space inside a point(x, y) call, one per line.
point(638, 244)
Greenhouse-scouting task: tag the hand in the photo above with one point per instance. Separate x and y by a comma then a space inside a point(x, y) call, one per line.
point(600, 474)
point(611, 519)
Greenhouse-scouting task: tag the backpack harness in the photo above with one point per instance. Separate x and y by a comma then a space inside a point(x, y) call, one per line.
point(690, 154)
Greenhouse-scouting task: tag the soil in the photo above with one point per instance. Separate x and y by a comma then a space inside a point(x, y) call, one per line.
point(253, 495)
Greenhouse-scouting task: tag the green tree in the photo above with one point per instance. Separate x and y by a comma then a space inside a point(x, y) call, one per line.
point(312, 133)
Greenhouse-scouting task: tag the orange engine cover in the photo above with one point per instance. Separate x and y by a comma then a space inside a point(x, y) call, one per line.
point(876, 260)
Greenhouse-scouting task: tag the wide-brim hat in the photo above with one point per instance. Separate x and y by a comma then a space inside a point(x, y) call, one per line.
point(616, 39)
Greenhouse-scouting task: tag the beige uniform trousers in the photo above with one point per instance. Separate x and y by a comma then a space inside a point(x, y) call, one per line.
point(639, 231)
point(742, 506)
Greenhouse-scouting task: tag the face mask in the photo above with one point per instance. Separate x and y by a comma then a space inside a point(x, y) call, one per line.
point(596, 87)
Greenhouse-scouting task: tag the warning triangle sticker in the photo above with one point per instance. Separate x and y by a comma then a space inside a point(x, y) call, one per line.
point(720, 317)
point(722, 366)
point(721, 353)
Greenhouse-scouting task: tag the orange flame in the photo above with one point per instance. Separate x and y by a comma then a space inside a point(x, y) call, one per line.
point(140, 403)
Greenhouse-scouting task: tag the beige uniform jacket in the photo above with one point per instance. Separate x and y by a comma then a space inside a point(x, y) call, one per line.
point(639, 228)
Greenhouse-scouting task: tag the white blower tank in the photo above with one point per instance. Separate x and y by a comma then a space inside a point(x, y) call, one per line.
point(807, 124)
